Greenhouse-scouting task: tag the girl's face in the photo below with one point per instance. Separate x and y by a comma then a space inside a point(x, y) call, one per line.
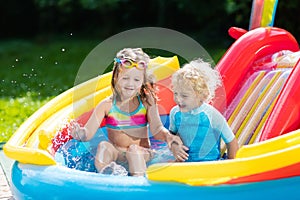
point(186, 98)
point(130, 82)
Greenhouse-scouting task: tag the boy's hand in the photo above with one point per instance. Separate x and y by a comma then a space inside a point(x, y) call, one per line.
point(179, 152)
point(178, 149)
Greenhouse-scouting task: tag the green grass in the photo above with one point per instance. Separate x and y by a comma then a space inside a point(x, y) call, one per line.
point(33, 72)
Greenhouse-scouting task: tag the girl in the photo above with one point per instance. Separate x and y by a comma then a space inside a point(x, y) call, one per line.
point(128, 112)
point(199, 125)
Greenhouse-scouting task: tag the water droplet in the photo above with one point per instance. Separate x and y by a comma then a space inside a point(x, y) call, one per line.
point(56, 63)
point(32, 69)
point(12, 66)
point(17, 59)
point(63, 50)
point(41, 57)
point(71, 33)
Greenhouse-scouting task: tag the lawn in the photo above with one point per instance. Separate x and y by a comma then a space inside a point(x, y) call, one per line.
point(34, 71)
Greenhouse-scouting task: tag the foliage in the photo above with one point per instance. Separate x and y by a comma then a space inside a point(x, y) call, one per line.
point(286, 17)
point(68, 5)
point(207, 20)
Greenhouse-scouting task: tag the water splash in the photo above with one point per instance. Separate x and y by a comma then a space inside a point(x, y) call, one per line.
point(81, 155)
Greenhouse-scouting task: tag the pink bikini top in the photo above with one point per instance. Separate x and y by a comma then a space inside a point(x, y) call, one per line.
point(118, 119)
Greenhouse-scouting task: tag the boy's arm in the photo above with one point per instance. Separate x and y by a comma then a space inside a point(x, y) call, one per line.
point(232, 148)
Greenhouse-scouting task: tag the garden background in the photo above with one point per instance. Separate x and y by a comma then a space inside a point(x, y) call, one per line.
point(43, 42)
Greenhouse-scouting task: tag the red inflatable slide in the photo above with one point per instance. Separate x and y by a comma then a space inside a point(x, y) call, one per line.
point(253, 64)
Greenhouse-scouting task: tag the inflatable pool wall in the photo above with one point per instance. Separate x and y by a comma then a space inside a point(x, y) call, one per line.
point(267, 163)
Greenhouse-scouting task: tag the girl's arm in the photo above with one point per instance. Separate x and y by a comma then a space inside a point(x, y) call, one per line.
point(157, 129)
point(232, 148)
point(88, 131)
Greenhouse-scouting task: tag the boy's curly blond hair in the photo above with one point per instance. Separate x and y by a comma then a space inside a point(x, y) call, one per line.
point(200, 76)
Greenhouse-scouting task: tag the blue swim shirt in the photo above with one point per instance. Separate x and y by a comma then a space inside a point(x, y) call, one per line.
point(201, 130)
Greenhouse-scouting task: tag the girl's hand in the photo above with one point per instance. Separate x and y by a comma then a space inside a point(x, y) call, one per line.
point(76, 131)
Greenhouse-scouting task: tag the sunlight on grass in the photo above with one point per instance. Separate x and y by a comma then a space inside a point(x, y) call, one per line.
point(14, 111)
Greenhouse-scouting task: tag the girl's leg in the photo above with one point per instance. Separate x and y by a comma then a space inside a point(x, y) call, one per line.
point(137, 157)
point(106, 153)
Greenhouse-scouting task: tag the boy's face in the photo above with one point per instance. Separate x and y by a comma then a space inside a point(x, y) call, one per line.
point(186, 98)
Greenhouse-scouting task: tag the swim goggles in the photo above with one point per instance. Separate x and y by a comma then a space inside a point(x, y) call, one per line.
point(127, 63)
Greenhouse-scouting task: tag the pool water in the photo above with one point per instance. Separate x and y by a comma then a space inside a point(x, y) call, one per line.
point(81, 155)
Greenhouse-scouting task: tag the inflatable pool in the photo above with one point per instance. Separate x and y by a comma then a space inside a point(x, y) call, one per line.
point(260, 74)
